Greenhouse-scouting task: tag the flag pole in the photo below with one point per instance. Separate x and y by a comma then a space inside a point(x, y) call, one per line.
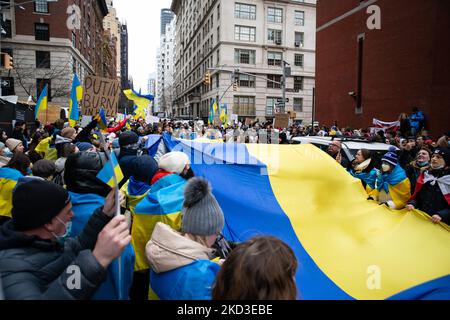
point(116, 196)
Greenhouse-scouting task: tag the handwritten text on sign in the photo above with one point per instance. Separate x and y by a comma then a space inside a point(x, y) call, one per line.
point(100, 93)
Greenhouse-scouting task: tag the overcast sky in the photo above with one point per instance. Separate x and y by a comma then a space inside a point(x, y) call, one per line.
point(143, 20)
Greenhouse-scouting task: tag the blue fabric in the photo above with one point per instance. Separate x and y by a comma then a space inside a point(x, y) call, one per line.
point(191, 282)
point(393, 178)
point(83, 206)
point(165, 197)
point(137, 188)
point(152, 144)
point(416, 118)
point(10, 174)
point(368, 177)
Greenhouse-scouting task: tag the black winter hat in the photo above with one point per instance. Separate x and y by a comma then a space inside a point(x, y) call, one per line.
point(36, 203)
point(127, 138)
point(80, 173)
point(445, 153)
point(144, 168)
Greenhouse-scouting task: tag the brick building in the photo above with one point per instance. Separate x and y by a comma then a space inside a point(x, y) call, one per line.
point(49, 44)
point(363, 73)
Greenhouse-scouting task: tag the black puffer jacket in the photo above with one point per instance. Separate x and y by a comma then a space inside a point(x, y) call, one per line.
point(431, 200)
point(80, 173)
point(34, 269)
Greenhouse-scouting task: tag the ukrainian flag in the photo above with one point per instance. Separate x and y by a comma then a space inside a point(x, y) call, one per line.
point(347, 247)
point(141, 101)
point(211, 113)
point(44, 149)
point(101, 120)
point(42, 102)
point(396, 184)
point(75, 95)
point(8, 181)
point(224, 116)
point(110, 170)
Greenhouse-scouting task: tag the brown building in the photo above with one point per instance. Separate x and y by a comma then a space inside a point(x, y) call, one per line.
point(51, 41)
point(364, 73)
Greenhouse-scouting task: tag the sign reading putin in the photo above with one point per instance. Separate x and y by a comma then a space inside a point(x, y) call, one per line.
point(100, 93)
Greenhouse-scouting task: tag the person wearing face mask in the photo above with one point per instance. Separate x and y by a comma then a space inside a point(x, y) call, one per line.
point(432, 193)
point(392, 185)
point(363, 168)
point(35, 261)
point(163, 203)
point(181, 262)
point(418, 166)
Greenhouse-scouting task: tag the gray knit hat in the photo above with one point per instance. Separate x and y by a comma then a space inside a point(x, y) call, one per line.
point(201, 212)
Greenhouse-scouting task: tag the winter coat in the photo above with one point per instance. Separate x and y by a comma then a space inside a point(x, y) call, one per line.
point(413, 172)
point(366, 173)
point(4, 161)
point(34, 269)
point(82, 207)
point(431, 196)
point(180, 267)
point(417, 120)
point(8, 181)
point(393, 188)
point(127, 157)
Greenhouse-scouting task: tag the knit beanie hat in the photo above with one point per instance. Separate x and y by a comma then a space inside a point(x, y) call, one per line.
point(391, 157)
point(174, 162)
point(445, 153)
point(128, 138)
point(201, 213)
point(144, 168)
point(68, 132)
point(44, 169)
point(12, 144)
point(36, 203)
point(84, 146)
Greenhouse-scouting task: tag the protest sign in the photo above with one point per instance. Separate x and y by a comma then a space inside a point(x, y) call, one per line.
point(100, 93)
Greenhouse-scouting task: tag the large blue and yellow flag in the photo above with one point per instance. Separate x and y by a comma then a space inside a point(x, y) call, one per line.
point(41, 105)
point(8, 181)
point(76, 95)
point(111, 169)
point(140, 100)
point(347, 247)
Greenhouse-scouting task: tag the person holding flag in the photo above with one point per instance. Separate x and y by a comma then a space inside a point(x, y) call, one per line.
point(76, 95)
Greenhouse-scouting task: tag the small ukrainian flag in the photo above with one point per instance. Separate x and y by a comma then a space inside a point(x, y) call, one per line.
point(101, 118)
point(75, 96)
point(42, 102)
point(107, 173)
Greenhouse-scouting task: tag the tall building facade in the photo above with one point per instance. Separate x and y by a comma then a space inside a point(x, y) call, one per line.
point(254, 36)
point(165, 65)
point(151, 89)
point(166, 17)
point(49, 44)
point(125, 80)
point(112, 24)
point(377, 59)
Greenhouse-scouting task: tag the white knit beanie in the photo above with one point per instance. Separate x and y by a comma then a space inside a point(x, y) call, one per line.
point(174, 162)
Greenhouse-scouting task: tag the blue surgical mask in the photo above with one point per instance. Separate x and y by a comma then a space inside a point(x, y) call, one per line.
point(422, 164)
point(62, 238)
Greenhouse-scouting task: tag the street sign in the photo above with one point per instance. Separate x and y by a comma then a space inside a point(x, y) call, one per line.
point(280, 100)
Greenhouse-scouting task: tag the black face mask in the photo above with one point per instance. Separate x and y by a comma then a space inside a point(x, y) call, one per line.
point(188, 175)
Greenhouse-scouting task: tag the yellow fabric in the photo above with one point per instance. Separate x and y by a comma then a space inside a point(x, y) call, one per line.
point(401, 193)
point(6, 193)
point(43, 148)
point(344, 233)
point(142, 230)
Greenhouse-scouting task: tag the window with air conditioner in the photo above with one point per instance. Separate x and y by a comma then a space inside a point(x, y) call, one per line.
point(299, 39)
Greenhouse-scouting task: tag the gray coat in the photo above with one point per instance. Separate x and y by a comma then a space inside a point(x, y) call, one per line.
point(33, 269)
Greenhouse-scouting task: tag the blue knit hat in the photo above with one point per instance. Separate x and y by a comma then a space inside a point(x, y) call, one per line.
point(84, 146)
point(391, 157)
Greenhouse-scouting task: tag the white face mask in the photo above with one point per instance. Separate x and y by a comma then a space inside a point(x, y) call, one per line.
point(385, 167)
point(437, 167)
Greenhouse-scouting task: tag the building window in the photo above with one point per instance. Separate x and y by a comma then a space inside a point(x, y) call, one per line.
point(218, 12)
point(299, 18)
point(271, 84)
point(298, 83)
point(246, 81)
point(245, 11)
point(6, 26)
point(299, 39)
point(244, 56)
point(244, 106)
point(270, 106)
point(298, 104)
point(43, 59)
point(274, 58)
point(274, 36)
point(41, 6)
point(7, 84)
point(274, 15)
point(40, 84)
point(244, 33)
point(74, 65)
point(42, 31)
point(298, 60)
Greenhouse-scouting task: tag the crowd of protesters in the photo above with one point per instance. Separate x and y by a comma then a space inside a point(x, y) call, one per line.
point(56, 214)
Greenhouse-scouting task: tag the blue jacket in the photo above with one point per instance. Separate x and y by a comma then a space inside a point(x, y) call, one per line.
point(83, 206)
point(416, 119)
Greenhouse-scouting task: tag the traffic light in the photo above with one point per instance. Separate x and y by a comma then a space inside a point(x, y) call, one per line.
point(8, 61)
point(207, 80)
